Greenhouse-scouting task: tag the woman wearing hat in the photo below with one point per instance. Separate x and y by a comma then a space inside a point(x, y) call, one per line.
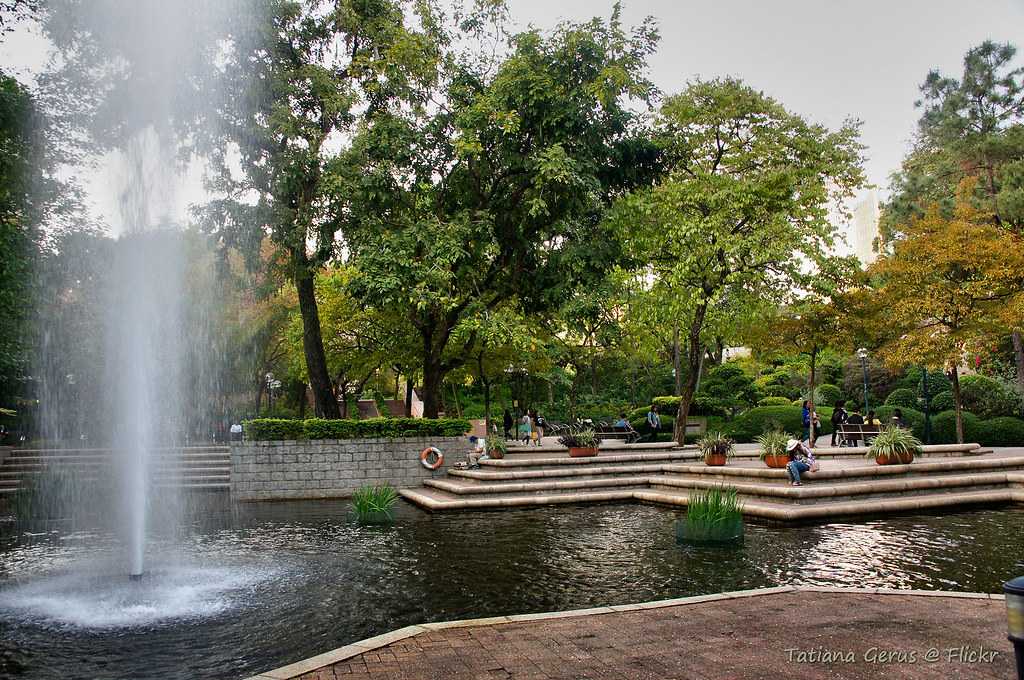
point(801, 459)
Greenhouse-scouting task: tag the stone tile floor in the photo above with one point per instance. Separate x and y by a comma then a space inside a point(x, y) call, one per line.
point(798, 635)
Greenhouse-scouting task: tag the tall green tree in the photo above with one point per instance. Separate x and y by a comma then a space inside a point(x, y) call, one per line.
point(497, 193)
point(303, 76)
point(743, 208)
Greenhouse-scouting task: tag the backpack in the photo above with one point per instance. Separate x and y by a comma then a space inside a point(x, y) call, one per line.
point(838, 416)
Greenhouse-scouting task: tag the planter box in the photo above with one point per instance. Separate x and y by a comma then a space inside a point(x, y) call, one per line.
point(902, 459)
point(723, 533)
point(714, 459)
point(578, 452)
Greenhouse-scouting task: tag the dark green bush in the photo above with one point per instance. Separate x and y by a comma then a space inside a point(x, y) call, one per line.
point(902, 398)
point(1005, 431)
point(319, 428)
point(988, 397)
point(773, 401)
point(828, 394)
point(747, 426)
point(943, 401)
point(944, 427)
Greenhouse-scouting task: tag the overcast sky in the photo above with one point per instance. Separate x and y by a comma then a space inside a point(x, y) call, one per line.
point(824, 59)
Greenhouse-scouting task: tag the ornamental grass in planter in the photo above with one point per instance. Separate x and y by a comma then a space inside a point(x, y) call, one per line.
point(716, 448)
point(894, 446)
point(581, 443)
point(495, 446)
point(773, 448)
point(713, 515)
point(374, 504)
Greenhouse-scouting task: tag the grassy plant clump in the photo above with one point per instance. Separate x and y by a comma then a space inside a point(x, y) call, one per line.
point(714, 443)
point(495, 446)
point(374, 502)
point(714, 514)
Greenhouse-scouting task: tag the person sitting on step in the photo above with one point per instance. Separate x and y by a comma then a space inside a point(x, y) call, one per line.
point(801, 459)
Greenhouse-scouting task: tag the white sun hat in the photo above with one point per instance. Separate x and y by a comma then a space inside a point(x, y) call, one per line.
point(792, 444)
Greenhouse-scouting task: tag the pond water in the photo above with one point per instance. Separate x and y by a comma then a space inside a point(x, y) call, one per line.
point(253, 587)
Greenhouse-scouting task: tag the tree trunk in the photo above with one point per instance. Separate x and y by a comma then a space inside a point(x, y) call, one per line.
point(343, 393)
point(694, 357)
point(313, 347)
point(408, 396)
point(954, 378)
point(677, 366)
point(433, 376)
point(810, 401)
point(1018, 355)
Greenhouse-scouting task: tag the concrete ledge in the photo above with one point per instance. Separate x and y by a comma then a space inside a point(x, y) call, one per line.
point(370, 644)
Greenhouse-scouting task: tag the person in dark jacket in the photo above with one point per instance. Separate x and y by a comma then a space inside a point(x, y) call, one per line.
point(507, 423)
point(838, 418)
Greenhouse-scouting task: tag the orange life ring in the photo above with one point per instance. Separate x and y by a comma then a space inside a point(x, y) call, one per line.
point(425, 455)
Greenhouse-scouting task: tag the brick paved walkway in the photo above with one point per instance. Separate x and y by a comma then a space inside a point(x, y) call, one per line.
point(867, 635)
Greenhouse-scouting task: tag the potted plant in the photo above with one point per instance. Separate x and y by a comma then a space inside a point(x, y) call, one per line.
point(495, 446)
point(715, 447)
point(894, 446)
point(581, 443)
point(773, 448)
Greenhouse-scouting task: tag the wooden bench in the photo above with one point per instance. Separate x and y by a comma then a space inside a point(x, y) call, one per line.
point(851, 433)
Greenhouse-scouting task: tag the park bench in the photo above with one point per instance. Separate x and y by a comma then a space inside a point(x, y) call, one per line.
point(851, 433)
point(626, 434)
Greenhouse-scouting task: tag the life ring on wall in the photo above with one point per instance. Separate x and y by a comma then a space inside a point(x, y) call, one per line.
point(431, 452)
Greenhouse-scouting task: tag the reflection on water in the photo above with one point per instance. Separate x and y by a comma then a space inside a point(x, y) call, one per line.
point(257, 586)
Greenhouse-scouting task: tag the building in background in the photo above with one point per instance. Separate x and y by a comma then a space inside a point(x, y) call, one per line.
point(863, 228)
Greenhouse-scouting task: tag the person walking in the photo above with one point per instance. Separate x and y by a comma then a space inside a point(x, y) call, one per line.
point(653, 421)
point(526, 428)
point(507, 422)
point(539, 425)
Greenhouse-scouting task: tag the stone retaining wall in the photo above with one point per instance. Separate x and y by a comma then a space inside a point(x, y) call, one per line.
point(333, 468)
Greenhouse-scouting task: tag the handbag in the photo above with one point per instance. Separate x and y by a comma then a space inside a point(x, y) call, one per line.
point(533, 435)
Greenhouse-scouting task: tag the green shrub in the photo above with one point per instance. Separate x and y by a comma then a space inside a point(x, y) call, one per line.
point(944, 427)
point(1005, 431)
point(714, 514)
point(894, 443)
point(319, 428)
point(773, 401)
point(747, 426)
point(988, 397)
point(828, 395)
point(943, 401)
point(902, 398)
point(273, 429)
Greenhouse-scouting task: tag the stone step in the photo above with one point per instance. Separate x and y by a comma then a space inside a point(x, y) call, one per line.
point(598, 460)
point(438, 500)
point(779, 489)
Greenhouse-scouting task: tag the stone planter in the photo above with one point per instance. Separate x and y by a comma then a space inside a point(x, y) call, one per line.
point(496, 454)
point(722, 533)
point(581, 452)
point(714, 459)
point(776, 461)
point(899, 459)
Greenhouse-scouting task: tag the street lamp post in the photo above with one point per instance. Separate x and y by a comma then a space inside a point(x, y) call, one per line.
point(863, 354)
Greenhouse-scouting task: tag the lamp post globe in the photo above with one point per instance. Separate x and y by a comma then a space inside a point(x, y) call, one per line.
point(863, 354)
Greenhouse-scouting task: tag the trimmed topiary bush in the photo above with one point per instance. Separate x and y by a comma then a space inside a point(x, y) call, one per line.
point(264, 429)
point(828, 394)
point(944, 427)
point(747, 426)
point(1005, 431)
point(902, 398)
point(774, 401)
point(943, 401)
point(912, 417)
point(988, 397)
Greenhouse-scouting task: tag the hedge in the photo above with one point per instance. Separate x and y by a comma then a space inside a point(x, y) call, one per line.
point(988, 397)
point(912, 417)
point(944, 427)
point(828, 394)
point(264, 429)
point(902, 398)
point(758, 420)
point(774, 401)
point(1005, 431)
